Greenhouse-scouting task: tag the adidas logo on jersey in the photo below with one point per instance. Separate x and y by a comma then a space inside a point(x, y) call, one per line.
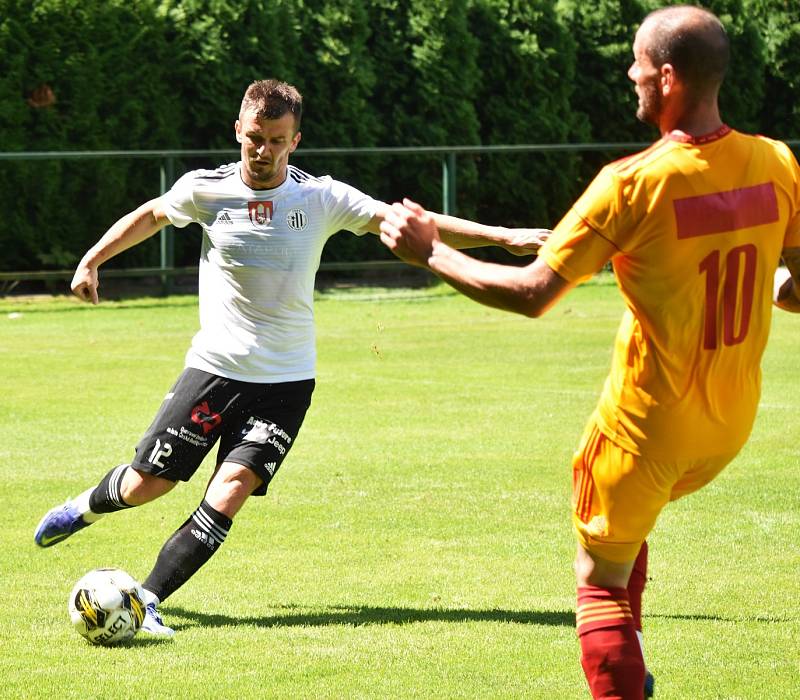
point(223, 218)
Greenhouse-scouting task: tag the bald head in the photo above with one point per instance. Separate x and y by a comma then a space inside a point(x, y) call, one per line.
point(693, 41)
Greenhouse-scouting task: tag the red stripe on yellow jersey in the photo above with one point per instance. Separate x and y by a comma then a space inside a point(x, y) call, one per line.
point(718, 212)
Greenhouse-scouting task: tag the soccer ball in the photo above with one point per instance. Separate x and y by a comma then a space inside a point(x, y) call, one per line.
point(106, 606)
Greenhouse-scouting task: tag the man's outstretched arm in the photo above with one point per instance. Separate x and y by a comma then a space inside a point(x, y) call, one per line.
point(411, 233)
point(463, 233)
point(131, 229)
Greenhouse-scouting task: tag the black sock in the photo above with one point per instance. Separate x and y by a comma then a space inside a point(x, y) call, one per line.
point(190, 546)
point(107, 497)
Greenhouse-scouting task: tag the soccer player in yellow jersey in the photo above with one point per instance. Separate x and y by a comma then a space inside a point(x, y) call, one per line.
point(695, 227)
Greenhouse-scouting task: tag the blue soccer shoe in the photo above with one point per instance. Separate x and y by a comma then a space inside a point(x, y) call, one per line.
point(58, 524)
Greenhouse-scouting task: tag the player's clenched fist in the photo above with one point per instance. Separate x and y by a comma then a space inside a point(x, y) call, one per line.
point(84, 284)
point(409, 232)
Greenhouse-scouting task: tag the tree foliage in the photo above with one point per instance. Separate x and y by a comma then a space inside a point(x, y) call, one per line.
point(105, 97)
point(741, 108)
point(527, 59)
point(603, 95)
point(778, 22)
point(169, 74)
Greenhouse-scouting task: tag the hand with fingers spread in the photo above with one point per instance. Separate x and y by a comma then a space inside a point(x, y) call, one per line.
point(409, 232)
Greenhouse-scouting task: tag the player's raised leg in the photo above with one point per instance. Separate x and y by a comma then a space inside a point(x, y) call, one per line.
point(121, 488)
point(171, 450)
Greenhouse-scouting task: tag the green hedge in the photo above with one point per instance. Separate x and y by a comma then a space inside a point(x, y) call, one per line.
point(170, 74)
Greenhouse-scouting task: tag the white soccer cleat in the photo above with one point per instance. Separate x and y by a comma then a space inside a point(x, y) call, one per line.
point(153, 624)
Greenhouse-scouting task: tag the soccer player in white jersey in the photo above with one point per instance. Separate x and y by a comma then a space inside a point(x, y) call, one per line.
point(249, 373)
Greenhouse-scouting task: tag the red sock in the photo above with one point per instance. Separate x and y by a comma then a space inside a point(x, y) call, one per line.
point(636, 585)
point(611, 656)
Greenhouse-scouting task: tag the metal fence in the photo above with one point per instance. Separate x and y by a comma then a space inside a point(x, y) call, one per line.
point(167, 270)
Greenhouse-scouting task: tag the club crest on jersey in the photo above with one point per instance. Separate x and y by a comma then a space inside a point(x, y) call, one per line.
point(260, 212)
point(296, 219)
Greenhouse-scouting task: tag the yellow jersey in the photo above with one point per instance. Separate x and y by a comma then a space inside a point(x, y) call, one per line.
point(694, 229)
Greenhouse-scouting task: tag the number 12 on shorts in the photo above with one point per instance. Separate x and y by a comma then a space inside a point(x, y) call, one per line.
point(737, 293)
point(159, 452)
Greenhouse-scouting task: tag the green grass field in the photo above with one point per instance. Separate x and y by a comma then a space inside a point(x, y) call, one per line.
point(416, 542)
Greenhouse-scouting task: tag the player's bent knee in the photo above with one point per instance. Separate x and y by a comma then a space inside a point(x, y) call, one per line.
point(231, 486)
point(138, 488)
point(592, 570)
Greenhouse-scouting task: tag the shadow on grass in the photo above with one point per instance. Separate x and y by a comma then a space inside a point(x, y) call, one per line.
point(356, 615)
point(142, 640)
point(145, 640)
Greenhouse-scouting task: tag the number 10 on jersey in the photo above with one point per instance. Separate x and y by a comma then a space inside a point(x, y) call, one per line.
point(737, 294)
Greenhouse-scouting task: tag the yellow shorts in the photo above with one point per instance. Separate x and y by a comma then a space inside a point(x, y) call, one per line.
point(617, 495)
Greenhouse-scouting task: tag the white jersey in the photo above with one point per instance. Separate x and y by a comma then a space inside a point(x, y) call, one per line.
point(261, 251)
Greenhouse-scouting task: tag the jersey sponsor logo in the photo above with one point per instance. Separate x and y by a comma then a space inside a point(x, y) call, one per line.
point(202, 415)
point(719, 212)
point(260, 212)
point(223, 217)
point(296, 219)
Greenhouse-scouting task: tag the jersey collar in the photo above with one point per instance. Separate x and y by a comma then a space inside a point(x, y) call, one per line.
point(680, 137)
point(271, 190)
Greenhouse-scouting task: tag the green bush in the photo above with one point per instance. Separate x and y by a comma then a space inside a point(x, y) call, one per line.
point(779, 26)
point(107, 71)
point(741, 107)
point(169, 74)
point(527, 60)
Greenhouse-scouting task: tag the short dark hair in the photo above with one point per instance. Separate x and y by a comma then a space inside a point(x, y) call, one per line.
point(694, 42)
point(271, 99)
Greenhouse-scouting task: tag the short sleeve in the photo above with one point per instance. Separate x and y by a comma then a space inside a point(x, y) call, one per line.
point(575, 250)
point(348, 208)
point(179, 202)
point(602, 222)
point(614, 206)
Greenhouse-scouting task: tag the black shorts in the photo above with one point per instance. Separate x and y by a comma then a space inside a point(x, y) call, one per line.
point(256, 425)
